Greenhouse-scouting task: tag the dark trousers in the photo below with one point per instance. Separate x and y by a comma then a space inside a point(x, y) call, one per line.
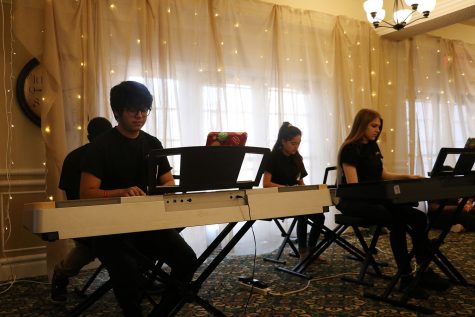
point(118, 254)
point(79, 256)
point(315, 230)
point(398, 217)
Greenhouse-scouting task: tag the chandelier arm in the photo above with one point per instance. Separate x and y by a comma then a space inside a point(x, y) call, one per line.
point(420, 18)
point(390, 25)
point(386, 26)
point(404, 21)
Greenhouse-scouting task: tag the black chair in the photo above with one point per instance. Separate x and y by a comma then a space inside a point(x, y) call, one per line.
point(369, 250)
point(330, 237)
point(151, 275)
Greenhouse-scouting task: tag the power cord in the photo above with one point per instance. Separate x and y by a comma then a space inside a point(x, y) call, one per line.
point(253, 267)
point(8, 101)
point(308, 284)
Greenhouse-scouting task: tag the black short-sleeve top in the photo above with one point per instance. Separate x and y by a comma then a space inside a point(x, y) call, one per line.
point(366, 158)
point(71, 172)
point(120, 162)
point(284, 169)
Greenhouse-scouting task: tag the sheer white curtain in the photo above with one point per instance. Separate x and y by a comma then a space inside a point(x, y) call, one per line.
point(444, 97)
point(244, 65)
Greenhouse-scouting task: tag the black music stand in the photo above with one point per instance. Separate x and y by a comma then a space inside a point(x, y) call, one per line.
point(206, 168)
point(462, 171)
point(463, 166)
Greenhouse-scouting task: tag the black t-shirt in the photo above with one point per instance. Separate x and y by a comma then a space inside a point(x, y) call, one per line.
point(366, 158)
point(120, 162)
point(284, 170)
point(71, 172)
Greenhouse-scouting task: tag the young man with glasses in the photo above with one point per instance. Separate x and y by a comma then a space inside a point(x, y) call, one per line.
point(115, 167)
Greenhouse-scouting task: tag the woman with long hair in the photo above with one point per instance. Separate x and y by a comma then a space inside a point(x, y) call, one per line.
point(285, 168)
point(360, 160)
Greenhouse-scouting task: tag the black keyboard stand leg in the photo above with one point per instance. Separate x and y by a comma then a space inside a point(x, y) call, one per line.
point(286, 241)
point(450, 270)
point(404, 298)
point(330, 237)
point(91, 299)
point(82, 292)
point(438, 257)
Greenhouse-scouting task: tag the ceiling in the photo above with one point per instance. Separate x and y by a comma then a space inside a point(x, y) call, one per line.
point(469, 22)
point(447, 12)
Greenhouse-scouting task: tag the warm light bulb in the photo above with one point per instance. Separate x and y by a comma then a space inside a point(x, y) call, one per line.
point(372, 5)
point(426, 6)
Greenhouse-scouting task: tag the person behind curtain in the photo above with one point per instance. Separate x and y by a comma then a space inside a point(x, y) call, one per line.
point(285, 168)
point(115, 167)
point(81, 254)
point(360, 160)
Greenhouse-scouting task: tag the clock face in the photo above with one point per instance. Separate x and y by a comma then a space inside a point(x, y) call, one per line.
point(29, 90)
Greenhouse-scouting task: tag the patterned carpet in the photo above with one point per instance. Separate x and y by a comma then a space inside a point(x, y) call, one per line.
point(325, 295)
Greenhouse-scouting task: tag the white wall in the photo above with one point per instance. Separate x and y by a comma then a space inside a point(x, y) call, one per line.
point(461, 32)
point(349, 8)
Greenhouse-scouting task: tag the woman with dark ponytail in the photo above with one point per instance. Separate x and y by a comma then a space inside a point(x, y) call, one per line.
point(285, 168)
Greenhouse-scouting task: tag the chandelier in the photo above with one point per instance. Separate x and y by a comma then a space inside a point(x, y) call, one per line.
point(402, 16)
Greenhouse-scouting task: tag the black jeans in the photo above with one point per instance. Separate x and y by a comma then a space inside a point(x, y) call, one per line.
point(398, 217)
point(117, 253)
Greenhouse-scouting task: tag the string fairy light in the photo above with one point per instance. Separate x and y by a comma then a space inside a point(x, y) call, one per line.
point(8, 101)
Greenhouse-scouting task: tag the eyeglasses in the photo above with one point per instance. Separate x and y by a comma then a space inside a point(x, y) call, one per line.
point(135, 111)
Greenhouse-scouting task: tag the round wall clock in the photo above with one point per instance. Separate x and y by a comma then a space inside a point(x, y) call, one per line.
point(29, 90)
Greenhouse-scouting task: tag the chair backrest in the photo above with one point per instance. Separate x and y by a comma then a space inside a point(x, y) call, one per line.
point(226, 138)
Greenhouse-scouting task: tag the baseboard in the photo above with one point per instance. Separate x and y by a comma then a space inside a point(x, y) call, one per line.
point(22, 266)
